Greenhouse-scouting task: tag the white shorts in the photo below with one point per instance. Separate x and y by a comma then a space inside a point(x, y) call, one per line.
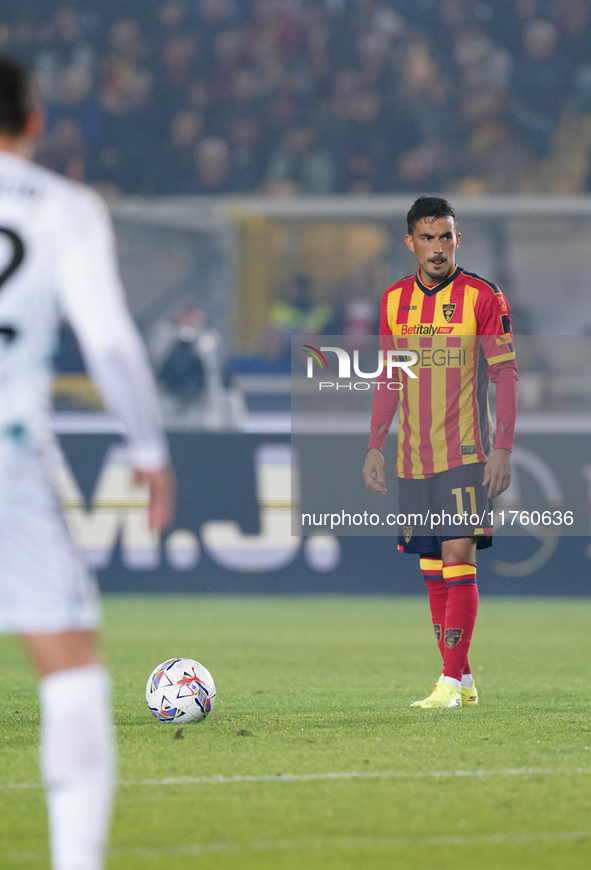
point(44, 585)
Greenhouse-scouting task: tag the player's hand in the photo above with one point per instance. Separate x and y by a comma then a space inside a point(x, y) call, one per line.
point(162, 488)
point(373, 471)
point(497, 472)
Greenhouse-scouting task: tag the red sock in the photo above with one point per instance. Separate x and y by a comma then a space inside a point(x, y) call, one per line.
point(433, 576)
point(460, 616)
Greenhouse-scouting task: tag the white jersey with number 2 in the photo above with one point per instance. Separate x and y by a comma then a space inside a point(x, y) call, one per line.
point(57, 261)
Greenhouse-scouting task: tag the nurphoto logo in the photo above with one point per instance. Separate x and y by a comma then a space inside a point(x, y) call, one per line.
point(394, 359)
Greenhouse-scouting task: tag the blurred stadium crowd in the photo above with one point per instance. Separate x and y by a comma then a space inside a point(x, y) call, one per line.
point(312, 96)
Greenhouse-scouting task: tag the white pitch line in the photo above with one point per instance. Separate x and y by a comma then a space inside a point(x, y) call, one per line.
point(356, 843)
point(333, 775)
point(350, 843)
point(353, 774)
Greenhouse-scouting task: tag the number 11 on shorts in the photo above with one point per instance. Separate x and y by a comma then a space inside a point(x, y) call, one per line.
point(460, 500)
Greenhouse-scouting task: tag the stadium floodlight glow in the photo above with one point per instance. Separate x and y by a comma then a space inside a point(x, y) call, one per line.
point(395, 359)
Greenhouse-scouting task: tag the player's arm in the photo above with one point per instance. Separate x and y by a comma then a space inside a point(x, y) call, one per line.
point(384, 406)
point(92, 300)
point(494, 325)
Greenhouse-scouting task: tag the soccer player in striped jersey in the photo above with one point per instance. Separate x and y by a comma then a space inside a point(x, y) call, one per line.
point(58, 260)
point(459, 329)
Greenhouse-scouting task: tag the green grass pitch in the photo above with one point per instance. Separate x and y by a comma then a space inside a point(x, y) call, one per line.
point(317, 686)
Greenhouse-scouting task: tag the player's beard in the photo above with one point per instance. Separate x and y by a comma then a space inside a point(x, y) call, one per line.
point(439, 276)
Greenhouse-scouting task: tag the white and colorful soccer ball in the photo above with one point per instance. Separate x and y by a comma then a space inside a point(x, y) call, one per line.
point(180, 690)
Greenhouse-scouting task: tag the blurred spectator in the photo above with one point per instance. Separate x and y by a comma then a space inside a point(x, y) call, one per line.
point(126, 52)
point(20, 40)
point(178, 57)
point(246, 155)
point(582, 90)
point(357, 312)
point(273, 35)
point(496, 159)
point(172, 16)
point(215, 16)
point(199, 96)
point(573, 19)
point(75, 102)
point(298, 167)
point(427, 93)
point(182, 373)
point(226, 63)
point(294, 313)
point(374, 57)
point(212, 165)
point(174, 166)
point(285, 106)
point(188, 354)
point(67, 50)
point(315, 53)
point(241, 96)
point(64, 150)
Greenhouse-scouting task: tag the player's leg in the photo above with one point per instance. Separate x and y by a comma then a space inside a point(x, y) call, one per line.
point(62, 651)
point(459, 491)
point(77, 748)
point(457, 625)
point(459, 572)
point(414, 500)
point(432, 570)
point(51, 600)
point(431, 565)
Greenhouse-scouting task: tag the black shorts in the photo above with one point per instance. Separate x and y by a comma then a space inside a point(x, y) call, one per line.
point(451, 504)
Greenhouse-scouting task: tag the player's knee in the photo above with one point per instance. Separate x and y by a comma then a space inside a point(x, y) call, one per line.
point(459, 550)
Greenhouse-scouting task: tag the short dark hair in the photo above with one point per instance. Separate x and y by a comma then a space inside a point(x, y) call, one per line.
point(16, 96)
point(429, 206)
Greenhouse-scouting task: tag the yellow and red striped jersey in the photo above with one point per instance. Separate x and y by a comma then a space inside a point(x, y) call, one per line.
point(461, 332)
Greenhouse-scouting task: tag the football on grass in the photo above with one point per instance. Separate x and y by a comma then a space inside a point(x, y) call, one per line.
point(180, 690)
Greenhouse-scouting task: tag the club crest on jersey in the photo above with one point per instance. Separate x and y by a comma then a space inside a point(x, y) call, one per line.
point(407, 534)
point(452, 637)
point(449, 310)
point(437, 630)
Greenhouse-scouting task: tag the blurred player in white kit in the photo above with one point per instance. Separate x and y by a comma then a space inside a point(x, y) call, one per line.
point(57, 260)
